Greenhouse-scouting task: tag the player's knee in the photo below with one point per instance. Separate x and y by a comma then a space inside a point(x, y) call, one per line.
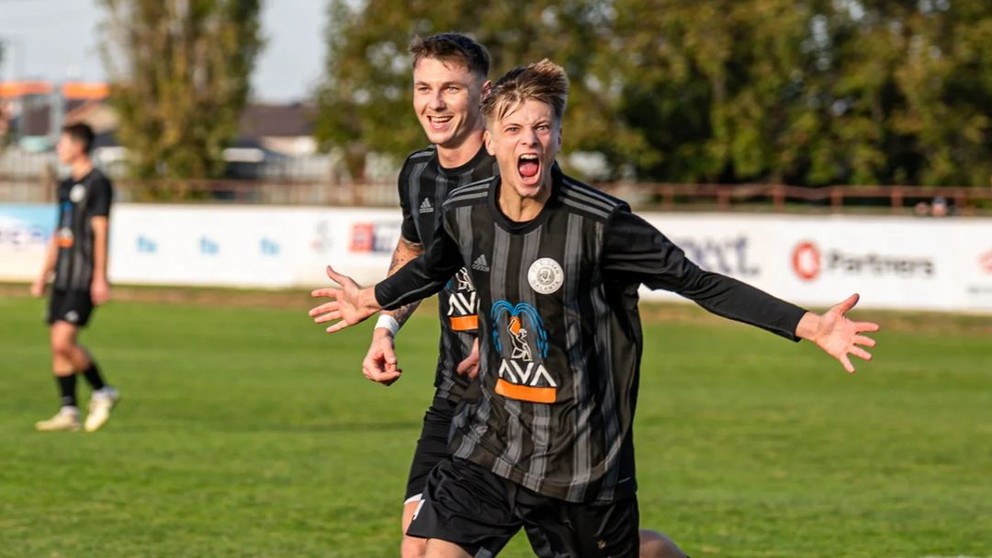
point(413, 547)
point(657, 545)
point(62, 346)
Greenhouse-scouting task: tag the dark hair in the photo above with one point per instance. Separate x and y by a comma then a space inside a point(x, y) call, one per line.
point(543, 81)
point(452, 47)
point(81, 133)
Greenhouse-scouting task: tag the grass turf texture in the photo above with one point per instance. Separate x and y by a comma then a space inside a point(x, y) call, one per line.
point(248, 432)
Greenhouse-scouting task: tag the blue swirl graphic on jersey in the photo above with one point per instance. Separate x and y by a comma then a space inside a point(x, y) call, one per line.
point(522, 322)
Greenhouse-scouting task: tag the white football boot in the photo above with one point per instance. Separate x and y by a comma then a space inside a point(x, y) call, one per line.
point(101, 403)
point(67, 419)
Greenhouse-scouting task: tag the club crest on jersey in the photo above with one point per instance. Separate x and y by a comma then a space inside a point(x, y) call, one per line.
point(462, 302)
point(519, 337)
point(77, 193)
point(545, 276)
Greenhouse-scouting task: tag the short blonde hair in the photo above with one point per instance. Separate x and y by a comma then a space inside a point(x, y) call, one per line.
point(542, 81)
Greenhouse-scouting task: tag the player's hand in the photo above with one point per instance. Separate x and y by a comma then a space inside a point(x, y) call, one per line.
point(351, 305)
point(838, 335)
point(470, 366)
point(38, 288)
point(380, 362)
point(100, 291)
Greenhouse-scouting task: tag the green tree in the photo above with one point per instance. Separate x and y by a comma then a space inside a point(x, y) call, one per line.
point(180, 74)
point(365, 98)
point(807, 92)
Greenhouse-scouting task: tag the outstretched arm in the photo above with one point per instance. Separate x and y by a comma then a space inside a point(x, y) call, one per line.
point(415, 281)
point(635, 252)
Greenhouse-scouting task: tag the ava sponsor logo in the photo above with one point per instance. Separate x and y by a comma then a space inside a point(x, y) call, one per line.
point(729, 256)
point(374, 238)
point(809, 262)
point(519, 337)
point(461, 302)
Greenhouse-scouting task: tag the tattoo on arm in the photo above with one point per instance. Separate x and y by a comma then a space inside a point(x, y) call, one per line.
point(405, 251)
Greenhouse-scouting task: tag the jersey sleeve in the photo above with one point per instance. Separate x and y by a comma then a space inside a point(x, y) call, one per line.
point(101, 197)
point(423, 276)
point(634, 252)
point(409, 227)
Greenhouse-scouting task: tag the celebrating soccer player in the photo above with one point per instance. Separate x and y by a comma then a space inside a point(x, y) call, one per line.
point(548, 444)
point(449, 80)
point(76, 263)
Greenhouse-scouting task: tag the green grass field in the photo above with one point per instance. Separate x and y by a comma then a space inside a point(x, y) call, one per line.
point(249, 432)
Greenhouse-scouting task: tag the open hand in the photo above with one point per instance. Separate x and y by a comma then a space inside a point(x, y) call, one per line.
point(351, 305)
point(838, 335)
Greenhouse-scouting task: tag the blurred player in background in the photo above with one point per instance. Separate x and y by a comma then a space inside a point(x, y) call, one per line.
point(4, 123)
point(76, 264)
point(449, 80)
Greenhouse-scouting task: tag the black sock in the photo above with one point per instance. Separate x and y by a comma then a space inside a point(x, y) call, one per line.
point(67, 389)
point(92, 375)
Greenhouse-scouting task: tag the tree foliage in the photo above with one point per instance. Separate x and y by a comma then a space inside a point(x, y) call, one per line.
point(180, 79)
point(807, 92)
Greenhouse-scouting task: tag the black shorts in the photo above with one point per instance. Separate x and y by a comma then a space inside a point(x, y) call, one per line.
point(432, 447)
point(472, 507)
point(75, 307)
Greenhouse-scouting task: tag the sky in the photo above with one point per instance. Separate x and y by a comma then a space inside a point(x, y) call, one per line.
point(58, 40)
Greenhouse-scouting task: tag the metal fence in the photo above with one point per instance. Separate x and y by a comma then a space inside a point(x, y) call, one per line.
point(31, 178)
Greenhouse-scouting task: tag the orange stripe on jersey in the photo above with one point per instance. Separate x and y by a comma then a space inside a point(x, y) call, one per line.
point(465, 323)
point(526, 393)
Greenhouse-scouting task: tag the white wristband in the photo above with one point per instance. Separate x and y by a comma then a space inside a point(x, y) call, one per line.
point(387, 322)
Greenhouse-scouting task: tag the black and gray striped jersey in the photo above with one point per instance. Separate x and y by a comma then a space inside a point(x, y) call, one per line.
point(423, 186)
point(79, 202)
point(560, 332)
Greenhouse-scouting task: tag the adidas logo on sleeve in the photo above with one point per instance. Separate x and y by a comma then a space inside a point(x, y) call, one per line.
point(480, 264)
point(426, 206)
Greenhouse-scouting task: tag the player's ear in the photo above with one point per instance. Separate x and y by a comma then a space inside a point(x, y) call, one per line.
point(487, 88)
point(487, 138)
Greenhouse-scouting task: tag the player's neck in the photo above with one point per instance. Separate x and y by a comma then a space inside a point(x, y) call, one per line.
point(454, 157)
point(520, 209)
point(81, 167)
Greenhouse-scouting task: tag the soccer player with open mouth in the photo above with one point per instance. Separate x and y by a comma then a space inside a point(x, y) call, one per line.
point(548, 443)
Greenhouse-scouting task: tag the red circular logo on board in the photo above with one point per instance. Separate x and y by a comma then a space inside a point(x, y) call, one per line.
point(806, 261)
point(985, 261)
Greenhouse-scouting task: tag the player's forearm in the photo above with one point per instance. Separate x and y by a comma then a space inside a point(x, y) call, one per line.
point(100, 242)
point(51, 255)
point(413, 283)
point(405, 252)
point(736, 300)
